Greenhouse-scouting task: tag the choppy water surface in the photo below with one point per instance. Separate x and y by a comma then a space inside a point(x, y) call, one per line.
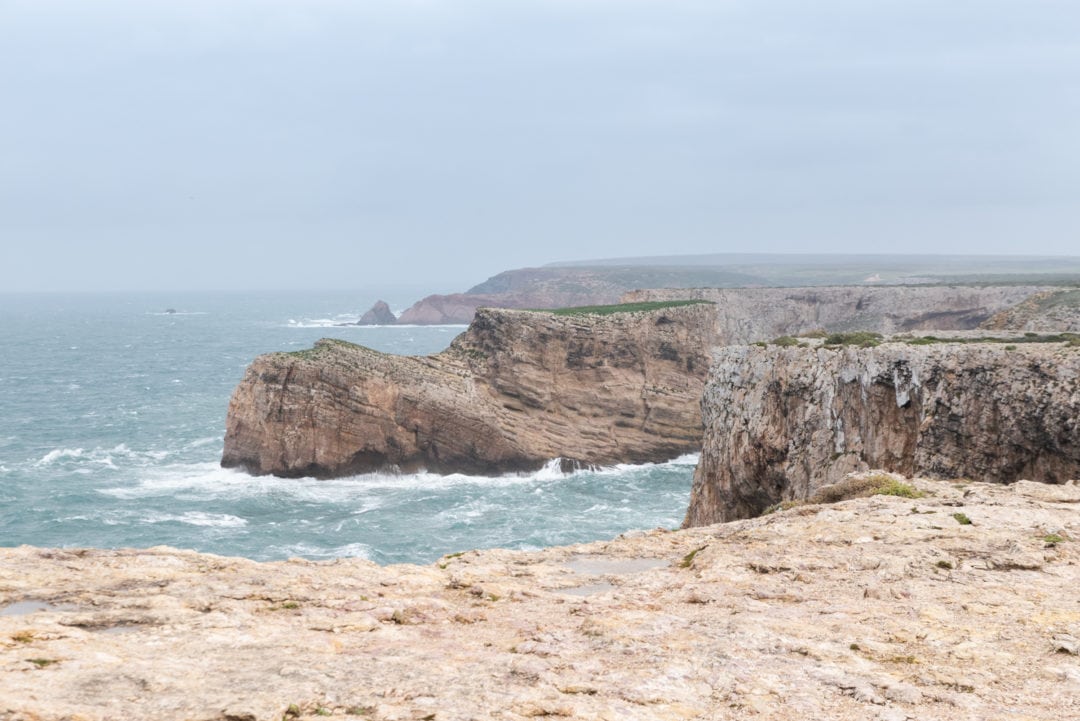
point(112, 414)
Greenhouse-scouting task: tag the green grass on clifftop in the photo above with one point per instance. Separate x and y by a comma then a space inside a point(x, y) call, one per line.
point(621, 307)
point(322, 345)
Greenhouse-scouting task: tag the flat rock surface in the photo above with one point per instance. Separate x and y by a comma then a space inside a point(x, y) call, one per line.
point(876, 608)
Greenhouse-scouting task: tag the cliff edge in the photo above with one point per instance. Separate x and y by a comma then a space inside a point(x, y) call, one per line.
point(517, 389)
point(780, 422)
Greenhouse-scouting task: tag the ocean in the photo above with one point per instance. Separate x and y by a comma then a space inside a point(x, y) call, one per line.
point(112, 417)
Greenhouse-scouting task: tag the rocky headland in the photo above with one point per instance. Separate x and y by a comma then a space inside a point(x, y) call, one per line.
point(783, 420)
point(517, 389)
point(960, 604)
point(604, 281)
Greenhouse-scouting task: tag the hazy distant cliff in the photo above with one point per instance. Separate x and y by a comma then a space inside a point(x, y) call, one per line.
point(515, 390)
point(747, 315)
point(781, 422)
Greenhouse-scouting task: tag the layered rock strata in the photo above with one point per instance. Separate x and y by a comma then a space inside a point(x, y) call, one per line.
point(748, 315)
point(517, 389)
point(878, 608)
point(782, 422)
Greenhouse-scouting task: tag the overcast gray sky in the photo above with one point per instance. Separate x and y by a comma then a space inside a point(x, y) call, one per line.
point(335, 143)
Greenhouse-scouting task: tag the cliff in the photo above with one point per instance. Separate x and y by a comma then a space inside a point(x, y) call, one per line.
point(748, 315)
point(780, 422)
point(875, 608)
point(1054, 310)
point(517, 389)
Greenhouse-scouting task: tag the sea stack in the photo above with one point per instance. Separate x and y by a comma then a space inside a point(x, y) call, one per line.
point(517, 389)
point(378, 314)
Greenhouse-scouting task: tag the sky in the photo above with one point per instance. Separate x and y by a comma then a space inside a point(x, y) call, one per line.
point(274, 144)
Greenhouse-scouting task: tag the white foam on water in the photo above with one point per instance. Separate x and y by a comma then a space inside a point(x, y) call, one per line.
point(99, 457)
point(209, 479)
point(58, 453)
point(306, 550)
point(171, 479)
point(197, 518)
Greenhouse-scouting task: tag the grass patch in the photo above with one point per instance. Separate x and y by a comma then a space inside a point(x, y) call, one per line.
point(962, 519)
point(782, 506)
point(688, 560)
point(623, 307)
point(860, 338)
point(1070, 339)
point(321, 346)
point(873, 484)
point(902, 659)
point(287, 606)
point(784, 341)
point(42, 662)
point(944, 564)
point(1052, 539)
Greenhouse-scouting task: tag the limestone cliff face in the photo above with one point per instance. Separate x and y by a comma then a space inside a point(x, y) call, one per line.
point(515, 390)
point(782, 422)
point(748, 315)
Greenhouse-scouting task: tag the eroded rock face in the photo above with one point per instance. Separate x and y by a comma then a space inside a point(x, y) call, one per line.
point(517, 389)
point(781, 422)
point(748, 315)
point(854, 611)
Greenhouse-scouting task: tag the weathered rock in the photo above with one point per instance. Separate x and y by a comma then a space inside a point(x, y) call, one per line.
point(876, 608)
point(1049, 311)
point(782, 422)
point(454, 309)
point(378, 314)
point(517, 389)
point(748, 315)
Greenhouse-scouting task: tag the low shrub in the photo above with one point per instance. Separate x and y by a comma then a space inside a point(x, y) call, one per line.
point(860, 338)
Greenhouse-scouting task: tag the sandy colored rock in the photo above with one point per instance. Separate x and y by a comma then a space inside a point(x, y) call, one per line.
point(877, 608)
point(782, 422)
point(516, 390)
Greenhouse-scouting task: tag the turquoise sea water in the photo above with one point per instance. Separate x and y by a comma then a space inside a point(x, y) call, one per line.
point(112, 415)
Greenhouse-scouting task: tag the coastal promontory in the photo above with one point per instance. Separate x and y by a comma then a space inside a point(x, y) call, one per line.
point(591, 386)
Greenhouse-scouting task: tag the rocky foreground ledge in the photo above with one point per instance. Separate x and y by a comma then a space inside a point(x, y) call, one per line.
point(514, 391)
point(961, 604)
